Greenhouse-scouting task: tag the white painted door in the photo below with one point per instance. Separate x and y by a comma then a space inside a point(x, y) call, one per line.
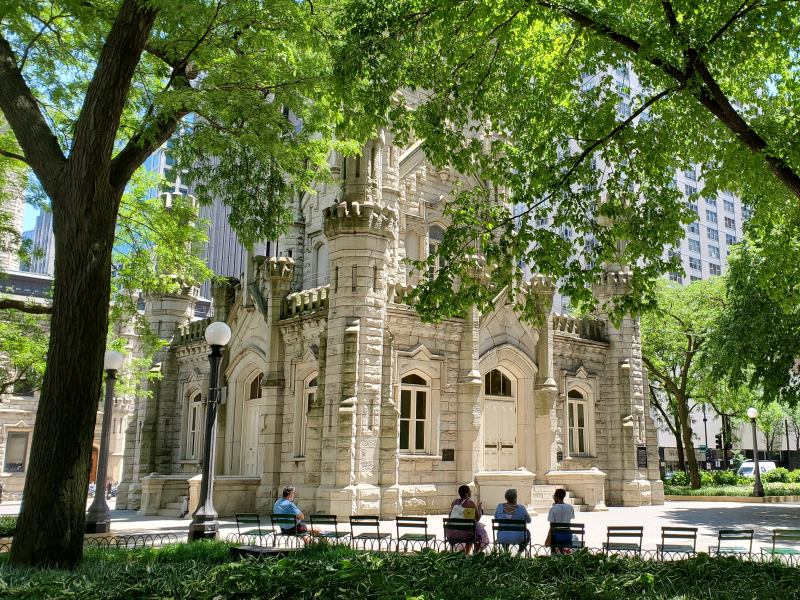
point(251, 427)
point(500, 435)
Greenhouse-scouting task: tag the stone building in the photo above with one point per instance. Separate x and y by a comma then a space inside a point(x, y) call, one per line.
point(333, 384)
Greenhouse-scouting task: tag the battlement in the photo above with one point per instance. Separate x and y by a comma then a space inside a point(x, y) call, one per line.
point(540, 284)
point(192, 332)
point(306, 301)
point(581, 327)
point(277, 267)
point(349, 217)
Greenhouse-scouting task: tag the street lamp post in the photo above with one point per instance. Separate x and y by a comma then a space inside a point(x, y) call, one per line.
point(758, 489)
point(98, 517)
point(204, 523)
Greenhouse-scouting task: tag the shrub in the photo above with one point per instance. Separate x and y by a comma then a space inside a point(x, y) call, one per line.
point(679, 478)
point(794, 476)
point(725, 478)
point(706, 478)
point(337, 572)
point(8, 524)
point(779, 475)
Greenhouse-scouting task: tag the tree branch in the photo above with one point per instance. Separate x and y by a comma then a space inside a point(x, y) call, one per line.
point(96, 128)
point(38, 142)
point(13, 155)
point(26, 307)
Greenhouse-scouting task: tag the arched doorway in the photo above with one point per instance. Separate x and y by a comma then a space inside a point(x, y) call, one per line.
point(500, 423)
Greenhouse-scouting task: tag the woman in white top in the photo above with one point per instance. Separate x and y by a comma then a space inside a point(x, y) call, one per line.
point(560, 512)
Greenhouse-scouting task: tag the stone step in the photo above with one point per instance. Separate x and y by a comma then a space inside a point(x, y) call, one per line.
point(174, 505)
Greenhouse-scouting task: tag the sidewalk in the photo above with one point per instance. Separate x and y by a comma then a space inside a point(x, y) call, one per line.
point(708, 518)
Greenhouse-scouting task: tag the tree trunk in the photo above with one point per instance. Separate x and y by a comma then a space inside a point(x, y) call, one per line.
point(679, 446)
point(56, 485)
point(688, 444)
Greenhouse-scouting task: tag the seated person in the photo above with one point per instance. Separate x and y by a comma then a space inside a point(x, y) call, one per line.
point(464, 507)
point(511, 510)
point(287, 506)
point(560, 512)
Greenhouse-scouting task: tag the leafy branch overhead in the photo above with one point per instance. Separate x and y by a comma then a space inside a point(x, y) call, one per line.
point(580, 114)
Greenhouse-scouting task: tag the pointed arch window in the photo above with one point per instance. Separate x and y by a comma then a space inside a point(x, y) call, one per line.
point(435, 238)
point(193, 426)
point(304, 407)
point(414, 414)
point(255, 387)
point(497, 384)
point(577, 422)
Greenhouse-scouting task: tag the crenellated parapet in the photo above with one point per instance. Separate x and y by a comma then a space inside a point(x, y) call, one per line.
point(192, 332)
point(306, 302)
point(350, 217)
point(581, 327)
point(613, 282)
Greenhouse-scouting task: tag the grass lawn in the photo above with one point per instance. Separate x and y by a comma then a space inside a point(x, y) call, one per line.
point(202, 571)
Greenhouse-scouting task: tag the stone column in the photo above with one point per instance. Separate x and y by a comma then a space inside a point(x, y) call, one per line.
point(622, 394)
point(151, 433)
point(276, 278)
point(468, 446)
point(360, 239)
point(545, 389)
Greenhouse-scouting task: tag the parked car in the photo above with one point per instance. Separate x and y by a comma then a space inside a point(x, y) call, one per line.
point(747, 467)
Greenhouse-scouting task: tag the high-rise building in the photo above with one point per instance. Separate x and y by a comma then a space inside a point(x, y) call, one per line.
point(12, 201)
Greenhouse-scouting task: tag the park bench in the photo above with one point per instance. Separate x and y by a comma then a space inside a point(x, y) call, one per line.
point(281, 522)
point(724, 536)
point(513, 526)
point(780, 539)
point(624, 538)
point(675, 540)
point(460, 531)
point(418, 534)
point(370, 522)
point(248, 520)
point(317, 522)
point(566, 537)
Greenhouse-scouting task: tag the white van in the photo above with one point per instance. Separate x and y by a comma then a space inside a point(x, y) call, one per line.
point(747, 467)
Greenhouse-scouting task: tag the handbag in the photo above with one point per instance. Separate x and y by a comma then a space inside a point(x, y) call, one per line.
point(459, 511)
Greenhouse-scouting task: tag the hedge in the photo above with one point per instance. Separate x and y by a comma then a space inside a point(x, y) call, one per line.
point(201, 571)
point(770, 489)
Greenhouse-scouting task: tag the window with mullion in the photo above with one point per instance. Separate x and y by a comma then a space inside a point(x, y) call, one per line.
point(413, 418)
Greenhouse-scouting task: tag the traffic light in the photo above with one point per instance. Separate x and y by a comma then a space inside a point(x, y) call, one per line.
point(718, 438)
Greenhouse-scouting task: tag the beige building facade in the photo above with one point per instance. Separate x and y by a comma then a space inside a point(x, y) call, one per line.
point(333, 384)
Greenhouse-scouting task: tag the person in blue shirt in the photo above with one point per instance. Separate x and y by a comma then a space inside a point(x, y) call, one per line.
point(286, 506)
point(511, 510)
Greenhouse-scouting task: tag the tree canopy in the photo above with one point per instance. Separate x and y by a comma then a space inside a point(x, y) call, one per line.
point(568, 136)
point(90, 90)
point(674, 339)
point(756, 340)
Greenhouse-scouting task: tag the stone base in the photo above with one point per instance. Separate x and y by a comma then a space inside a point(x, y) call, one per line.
point(642, 492)
point(587, 484)
point(98, 527)
point(492, 486)
point(232, 494)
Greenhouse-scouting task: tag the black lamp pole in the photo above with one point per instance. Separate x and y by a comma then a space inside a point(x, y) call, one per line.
point(204, 523)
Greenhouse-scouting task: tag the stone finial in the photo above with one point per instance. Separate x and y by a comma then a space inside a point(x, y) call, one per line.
point(350, 217)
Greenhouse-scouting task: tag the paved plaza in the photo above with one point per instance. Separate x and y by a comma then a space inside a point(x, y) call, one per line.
point(708, 517)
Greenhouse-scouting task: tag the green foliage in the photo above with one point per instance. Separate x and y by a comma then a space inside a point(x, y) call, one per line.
point(8, 523)
point(706, 478)
point(744, 487)
point(724, 478)
point(680, 478)
point(779, 475)
point(755, 340)
point(536, 80)
point(201, 571)
point(794, 476)
point(23, 344)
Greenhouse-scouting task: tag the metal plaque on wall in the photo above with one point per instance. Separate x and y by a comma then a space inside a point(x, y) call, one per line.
point(641, 457)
